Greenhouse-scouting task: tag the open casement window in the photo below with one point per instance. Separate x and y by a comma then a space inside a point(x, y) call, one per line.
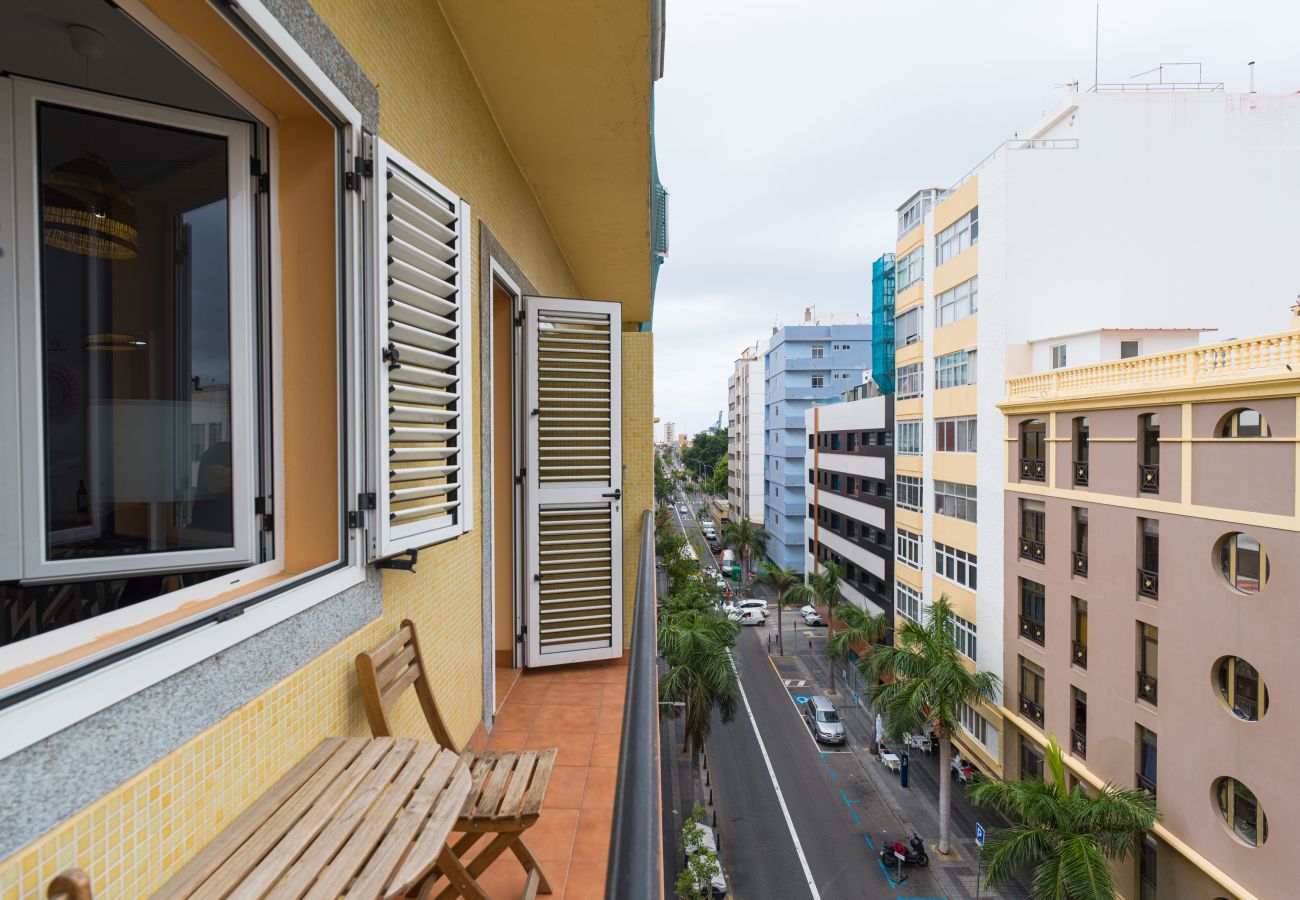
point(422, 264)
point(573, 519)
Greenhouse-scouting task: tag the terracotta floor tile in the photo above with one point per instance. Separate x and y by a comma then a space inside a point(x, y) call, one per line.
point(586, 881)
point(599, 790)
point(591, 843)
point(552, 836)
point(616, 692)
point(504, 879)
point(528, 690)
point(575, 694)
point(566, 787)
point(566, 717)
point(580, 675)
point(516, 717)
point(575, 749)
point(604, 752)
point(610, 720)
point(556, 872)
point(502, 740)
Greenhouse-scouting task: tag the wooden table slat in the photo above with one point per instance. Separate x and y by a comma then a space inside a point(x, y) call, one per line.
point(480, 768)
point(496, 785)
point(191, 876)
point(368, 833)
point(235, 869)
point(432, 837)
point(537, 789)
point(518, 782)
point(278, 869)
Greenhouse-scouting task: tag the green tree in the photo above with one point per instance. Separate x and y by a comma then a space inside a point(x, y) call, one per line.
point(1065, 836)
point(705, 449)
point(929, 683)
point(860, 627)
point(718, 482)
point(662, 485)
point(748, 540)
point(783, 581)
point(700, 674)
point(693, 882)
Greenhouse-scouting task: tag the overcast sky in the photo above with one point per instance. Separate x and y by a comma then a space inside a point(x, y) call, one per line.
point(788, 133)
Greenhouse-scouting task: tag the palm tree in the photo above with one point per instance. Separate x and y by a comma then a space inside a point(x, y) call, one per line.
point(700, 675)
point(824, 586)
point(1067, 836)
point(782, 580)
point(748, 540)
point(861, 627)
point(929, 683)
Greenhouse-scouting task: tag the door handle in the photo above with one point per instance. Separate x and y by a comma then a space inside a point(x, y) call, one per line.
point(617, 494)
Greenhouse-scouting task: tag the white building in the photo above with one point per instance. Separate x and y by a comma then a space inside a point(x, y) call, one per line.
point(1118, 215)
point(670, 434)
point(849, 475)
point(745, 435)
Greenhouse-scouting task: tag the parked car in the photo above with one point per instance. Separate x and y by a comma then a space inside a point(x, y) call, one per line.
point(714, 545)
point(807, 608)
point(683, 509)
point(748, 616)
point(747, 603)
point(718, 884)
point(824, 720)
point(811, 616)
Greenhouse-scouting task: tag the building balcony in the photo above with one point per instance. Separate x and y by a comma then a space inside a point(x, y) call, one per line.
point(1146, 687)
point(1033, 469)
point(1149, 584)
point(1033, 629)
point(1149, 478)
point(1031, 710)
point(1079, 563)
point(1032, 550)
point(1079, 743)
point(1080, 473)
point(1079, 654)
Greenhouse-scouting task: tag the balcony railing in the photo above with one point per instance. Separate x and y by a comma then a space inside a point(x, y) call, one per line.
point(1080, 563)
point(1078, 743)
point(634, 867)
point(1249, 359)
point(1146, 688)
point(1080, 473)
point(1079, 654)
point(1149, 478)
point(1033, 469)
point(1146, 784)
point(1032, 550)
point(1031, 710)
point(1032, 629)
point(1149, 584)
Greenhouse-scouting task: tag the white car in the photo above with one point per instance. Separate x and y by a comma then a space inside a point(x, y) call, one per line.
point(748, 616)
point(735, 605)
point(807, 608)
point(683, 509)
point(811, 616)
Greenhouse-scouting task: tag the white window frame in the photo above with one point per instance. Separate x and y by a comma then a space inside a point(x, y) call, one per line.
point(956, 369)
point(957, 237)
point(30, 562)
point(1059, 356)
point(911, 267)
point(909, 381)
point(818, 351)
point(905, 485)
point(968, 496)
point(909, 437)
point(909, 602)
point(964, 635)
point(964, 434)
point(818, 381)
point(961, 301)
point(902, 324)
point(909, 548)
point(952, 560)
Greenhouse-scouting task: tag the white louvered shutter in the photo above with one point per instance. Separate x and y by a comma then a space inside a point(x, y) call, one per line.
point(573, 525)
point(422, 262)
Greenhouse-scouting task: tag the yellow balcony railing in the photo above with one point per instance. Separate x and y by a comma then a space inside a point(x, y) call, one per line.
point(1239, 360)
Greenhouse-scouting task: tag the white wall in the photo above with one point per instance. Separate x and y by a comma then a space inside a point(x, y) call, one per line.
point(1104, 346)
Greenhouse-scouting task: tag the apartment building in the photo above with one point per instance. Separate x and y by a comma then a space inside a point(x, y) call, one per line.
point(1026, 245)
point(1150, 552)
point(849, 477)
point(670, 434)
point(804, 363)
point(296, 295)
point(745, 435)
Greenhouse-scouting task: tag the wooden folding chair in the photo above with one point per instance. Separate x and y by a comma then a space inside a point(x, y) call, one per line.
point(70, 884)
point(508, 788)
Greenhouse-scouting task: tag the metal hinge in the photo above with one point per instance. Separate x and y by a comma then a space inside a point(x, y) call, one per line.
point(361, 168)
point(263, 178)
point(262, 507)
point(519, 479)
point(522, 636)
point(357, 517)
point(406, 562)
point(519, 319)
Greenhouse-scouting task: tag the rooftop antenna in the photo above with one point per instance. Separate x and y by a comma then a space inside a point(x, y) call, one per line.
point(1251, 65)
point(1160, 70)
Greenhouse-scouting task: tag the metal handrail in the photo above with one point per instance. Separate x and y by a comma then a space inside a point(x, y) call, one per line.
point(635, 869)
point(1149, 478)
point(1079, 654)
point(1035, 551)
point(1012, 144)
point(1080, 561)
point(1146, 687)
point(1081, 473)
point(1032, 629)
point(1033, 469)
point(1031, 709)
point(1149, 583)
point(1079, 743)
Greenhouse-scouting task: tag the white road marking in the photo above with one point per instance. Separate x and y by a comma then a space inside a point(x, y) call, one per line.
point(771, 773)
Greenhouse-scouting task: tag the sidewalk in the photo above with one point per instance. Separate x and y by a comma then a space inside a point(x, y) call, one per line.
point(918, 804)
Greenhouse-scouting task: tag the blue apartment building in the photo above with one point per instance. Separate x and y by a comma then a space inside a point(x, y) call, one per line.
point(804, 364)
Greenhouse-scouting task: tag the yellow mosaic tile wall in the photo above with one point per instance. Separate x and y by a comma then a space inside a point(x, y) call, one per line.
point(133, 838)
point(638, 450)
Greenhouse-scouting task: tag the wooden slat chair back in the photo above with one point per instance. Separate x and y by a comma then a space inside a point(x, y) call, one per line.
point(71, 884)
point(508, 788)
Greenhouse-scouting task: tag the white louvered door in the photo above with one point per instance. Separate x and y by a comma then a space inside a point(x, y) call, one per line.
point(422, 465)
point(573, 511)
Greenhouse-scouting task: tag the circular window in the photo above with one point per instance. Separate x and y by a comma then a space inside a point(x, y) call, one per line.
point(1242, 561)
point(1241, 688)
point(1240, 811)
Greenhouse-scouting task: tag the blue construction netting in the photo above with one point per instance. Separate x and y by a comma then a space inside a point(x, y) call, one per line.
point(882, 323)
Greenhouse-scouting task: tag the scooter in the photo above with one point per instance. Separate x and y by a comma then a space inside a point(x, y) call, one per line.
point(913, 855)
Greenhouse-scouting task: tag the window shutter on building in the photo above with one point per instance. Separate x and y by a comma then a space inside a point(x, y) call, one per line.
point(573, 525)
point(422, 265)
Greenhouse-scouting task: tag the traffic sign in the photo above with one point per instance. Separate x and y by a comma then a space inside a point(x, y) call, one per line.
point(979, 834)
point(900, 856)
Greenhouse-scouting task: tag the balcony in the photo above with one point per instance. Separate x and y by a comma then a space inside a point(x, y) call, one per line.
point(1079, 563)
point(1031, 710)
point(1149, 584)
point(1078, 743)
point(1032, 629)
point(1146, 784)
point(1146, 687)
point(1033, 469)
point(1079, 654)
point(1034, 551)
point(1080, 474)
point(1149, 478)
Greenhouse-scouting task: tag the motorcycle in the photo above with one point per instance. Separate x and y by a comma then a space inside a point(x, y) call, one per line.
point(913, 855)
